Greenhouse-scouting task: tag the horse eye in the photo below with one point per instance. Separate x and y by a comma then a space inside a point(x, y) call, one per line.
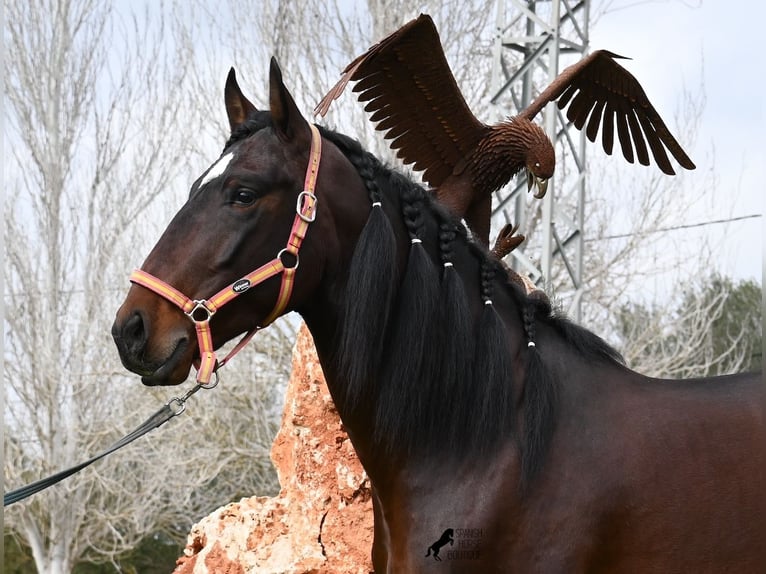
point(245, 196)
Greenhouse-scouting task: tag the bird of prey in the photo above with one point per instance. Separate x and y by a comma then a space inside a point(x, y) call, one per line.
point(414, 98)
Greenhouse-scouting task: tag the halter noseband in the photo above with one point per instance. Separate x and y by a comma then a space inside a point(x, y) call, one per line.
point(200, 311)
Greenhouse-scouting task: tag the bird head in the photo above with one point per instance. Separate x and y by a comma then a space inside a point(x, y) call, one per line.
point(540, 162)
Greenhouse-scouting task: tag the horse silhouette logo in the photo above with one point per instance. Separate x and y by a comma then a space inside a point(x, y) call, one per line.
point(447, 536)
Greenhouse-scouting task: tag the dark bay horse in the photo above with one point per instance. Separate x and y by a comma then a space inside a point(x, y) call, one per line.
point(473, 408)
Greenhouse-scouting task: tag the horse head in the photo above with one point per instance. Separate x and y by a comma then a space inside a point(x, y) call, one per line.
point(249, 211)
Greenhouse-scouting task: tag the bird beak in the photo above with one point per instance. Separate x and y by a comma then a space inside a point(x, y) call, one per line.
point(541, 183)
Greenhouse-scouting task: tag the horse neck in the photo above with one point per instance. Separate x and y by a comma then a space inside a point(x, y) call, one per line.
point(403, 369)
point(582, 369)
point(420, 367)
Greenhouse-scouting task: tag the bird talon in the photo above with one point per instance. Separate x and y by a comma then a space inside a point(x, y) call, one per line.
point(506, 241)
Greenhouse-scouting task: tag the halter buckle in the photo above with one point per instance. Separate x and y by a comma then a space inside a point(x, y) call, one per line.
point(200, 305)
point(300, 205)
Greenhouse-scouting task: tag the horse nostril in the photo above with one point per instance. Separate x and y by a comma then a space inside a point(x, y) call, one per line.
point(134, 332)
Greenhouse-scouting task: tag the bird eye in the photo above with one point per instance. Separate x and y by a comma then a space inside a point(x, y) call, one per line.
point(537, 164)
point(244, 196)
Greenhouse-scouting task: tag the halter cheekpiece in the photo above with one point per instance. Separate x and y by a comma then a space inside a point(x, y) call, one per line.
point(200, 311)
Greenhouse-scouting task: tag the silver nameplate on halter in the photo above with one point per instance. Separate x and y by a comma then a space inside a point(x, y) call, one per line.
point(241, 285)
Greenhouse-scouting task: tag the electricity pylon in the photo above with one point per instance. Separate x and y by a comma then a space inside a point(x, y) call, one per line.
point(532, 38)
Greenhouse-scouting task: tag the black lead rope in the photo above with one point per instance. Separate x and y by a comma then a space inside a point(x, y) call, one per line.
point(172, 408)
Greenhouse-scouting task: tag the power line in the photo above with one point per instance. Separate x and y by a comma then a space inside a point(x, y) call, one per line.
point(676, 227)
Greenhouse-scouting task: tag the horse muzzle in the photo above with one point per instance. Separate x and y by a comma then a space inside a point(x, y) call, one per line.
point(165, 361)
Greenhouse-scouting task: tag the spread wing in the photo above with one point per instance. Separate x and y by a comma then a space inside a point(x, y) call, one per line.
point(603, 93)
point(414, 98)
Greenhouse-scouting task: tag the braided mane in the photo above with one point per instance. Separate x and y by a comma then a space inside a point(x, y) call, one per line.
point(417, 353)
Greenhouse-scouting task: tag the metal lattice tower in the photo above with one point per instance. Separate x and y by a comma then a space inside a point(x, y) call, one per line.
point(532, 38)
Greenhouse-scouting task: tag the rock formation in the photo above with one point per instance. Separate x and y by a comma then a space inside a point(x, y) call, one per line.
point(321, 521)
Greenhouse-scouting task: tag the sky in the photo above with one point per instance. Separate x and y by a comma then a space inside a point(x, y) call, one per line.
point(677, 43)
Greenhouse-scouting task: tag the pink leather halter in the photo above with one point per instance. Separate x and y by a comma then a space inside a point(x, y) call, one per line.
point(200, 311)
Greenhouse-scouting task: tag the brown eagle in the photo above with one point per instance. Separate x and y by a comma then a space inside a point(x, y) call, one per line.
point(414, 98)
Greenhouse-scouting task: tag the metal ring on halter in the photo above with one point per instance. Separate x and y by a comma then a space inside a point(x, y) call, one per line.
point(210, 385)
point(299, 207)
point(200, 305)
point(297, 259)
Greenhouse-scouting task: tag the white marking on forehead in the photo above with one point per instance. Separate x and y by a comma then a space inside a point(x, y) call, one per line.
point(217, 168)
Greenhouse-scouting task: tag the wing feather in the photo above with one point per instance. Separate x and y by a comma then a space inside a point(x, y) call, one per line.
point(396, 131)
point(412, 95)
point(598, 83)
point(371, 93)
point(595, 120)
point(607, 134)
point(367, 82)
point(638, 139)
point(579, 109)
point(657, 149)
point(623, 135)
point(379, 114)
point(390, 121)
point(566, 96)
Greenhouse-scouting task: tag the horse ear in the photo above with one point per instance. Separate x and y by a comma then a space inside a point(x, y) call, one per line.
point(287, 119)
point(238, 107)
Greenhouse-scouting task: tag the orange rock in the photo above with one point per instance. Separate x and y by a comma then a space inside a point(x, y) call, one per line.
point(321, 520)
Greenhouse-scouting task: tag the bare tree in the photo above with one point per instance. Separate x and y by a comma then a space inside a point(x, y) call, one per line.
point(714, 329)
point(99, 131)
